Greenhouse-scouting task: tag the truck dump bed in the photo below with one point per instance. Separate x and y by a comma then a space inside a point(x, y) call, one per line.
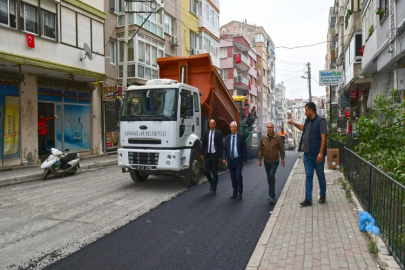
point(216, 102)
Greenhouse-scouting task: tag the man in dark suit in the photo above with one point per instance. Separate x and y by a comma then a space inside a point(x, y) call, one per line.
point(211, 149)
point(236, 155)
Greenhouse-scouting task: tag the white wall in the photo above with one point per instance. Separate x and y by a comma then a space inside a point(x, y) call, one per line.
point(98, 4)
point(14, 42)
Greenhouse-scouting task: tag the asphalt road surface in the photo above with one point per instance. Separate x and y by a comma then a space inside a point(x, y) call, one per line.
point(191, 231)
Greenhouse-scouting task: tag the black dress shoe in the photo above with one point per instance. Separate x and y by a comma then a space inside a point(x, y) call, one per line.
point(239, 197)
point(306, 203)
point(322, 199)
point(213, 193)
point(233, 196)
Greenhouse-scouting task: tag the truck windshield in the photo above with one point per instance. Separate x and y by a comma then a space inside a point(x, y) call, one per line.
point(150, 103)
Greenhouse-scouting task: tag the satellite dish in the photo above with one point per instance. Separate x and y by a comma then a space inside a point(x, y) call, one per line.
point(87, 52)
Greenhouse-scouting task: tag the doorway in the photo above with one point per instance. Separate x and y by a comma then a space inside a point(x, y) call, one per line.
point(48, 110)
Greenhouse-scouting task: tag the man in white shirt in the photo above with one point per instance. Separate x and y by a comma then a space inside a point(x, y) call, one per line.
point(211, 150)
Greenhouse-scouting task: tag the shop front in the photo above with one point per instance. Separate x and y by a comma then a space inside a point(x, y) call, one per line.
point(68, 114)
point(111, 122)
point(9, 124)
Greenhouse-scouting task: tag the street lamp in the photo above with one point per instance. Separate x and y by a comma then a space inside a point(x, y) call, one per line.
point(307, 78)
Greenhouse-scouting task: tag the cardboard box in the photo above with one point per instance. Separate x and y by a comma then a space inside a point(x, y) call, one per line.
point(333, 158)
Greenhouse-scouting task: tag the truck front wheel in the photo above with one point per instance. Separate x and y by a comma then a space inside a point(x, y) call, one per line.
point(193, 172)
point(137, 177)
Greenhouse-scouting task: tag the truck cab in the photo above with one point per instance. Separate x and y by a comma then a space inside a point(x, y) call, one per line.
point(160, 128)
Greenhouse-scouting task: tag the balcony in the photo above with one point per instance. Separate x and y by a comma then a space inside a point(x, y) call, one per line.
point(370, 49)
point(241, 83)
point(241, 61)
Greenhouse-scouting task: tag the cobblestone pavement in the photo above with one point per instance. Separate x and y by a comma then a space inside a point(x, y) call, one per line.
point(318, 237)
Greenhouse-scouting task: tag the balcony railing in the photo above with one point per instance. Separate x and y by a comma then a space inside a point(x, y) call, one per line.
point(241, 79)
point(243, 58)
point(379, 194)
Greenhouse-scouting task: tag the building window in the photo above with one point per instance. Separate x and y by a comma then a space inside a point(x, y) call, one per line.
point(141, 51)
point(206, 12)
point(193, 42)
point(216, 23)
point(29, 18)
point(168, 24)
point(8, 13)
point(112, 6)
point(211, 17)
point(48, 21)
point(259, 38)
point(224, 74)
point(223, 53)
point(358, 44)
point(113, 51)
point(193, 7)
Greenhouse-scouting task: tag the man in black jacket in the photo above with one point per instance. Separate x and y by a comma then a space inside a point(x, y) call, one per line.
point(211, 149)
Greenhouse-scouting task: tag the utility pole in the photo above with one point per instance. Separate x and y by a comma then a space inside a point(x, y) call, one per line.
point(309, 80)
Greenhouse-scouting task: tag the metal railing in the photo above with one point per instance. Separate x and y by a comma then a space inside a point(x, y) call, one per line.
point(243, 58)
point(241, 79)
point(380, 195)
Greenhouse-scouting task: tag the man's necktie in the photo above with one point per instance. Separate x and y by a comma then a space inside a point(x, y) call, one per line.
point(210, 143)
point(233, 148)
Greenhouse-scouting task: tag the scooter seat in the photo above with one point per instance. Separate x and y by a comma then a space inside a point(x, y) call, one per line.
point(69, 157)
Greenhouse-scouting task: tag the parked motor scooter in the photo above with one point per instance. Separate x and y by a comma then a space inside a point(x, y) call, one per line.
point(59, 164)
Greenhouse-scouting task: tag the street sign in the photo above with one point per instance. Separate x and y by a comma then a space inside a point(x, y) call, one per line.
point(331, 77)
point(344, 100)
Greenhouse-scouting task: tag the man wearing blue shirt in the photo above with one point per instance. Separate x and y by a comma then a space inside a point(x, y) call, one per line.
point(236, 155)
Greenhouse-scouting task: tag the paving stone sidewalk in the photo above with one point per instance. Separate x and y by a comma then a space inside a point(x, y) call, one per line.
point(35, 172)
point(324, 236)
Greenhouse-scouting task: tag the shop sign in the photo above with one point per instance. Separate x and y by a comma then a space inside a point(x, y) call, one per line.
point(345, 100)
point(112, 139)
point(330, 77)
point(108, 92)
point(11, 125)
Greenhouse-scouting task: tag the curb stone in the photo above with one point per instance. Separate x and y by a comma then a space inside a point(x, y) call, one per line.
point(258, 253)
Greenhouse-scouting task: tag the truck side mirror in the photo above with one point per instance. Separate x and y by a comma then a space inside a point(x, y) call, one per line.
point(117, 108)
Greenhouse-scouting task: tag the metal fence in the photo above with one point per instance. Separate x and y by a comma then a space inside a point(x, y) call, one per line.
point(380, 195)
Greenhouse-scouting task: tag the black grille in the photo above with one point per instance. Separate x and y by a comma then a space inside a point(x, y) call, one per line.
point(143, 158)
point(144, 141)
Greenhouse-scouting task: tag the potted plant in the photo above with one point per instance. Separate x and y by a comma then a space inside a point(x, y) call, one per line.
point(381, 12)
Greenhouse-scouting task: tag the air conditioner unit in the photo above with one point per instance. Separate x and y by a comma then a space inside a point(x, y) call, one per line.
point(174, 41)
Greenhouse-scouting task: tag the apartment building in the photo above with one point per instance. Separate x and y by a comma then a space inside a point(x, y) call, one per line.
point(239, 67)
point(44, 70)
point(281, 107)
point(200, 32)
point(265, 49)
point(383, 49)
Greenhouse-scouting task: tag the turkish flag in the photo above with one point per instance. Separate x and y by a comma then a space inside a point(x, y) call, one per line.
point(30, 40)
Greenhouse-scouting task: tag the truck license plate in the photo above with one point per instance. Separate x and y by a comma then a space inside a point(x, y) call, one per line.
point(142, 168)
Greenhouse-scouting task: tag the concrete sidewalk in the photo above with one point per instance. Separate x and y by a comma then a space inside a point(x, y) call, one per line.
point(34, 172)
point(323, 236)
